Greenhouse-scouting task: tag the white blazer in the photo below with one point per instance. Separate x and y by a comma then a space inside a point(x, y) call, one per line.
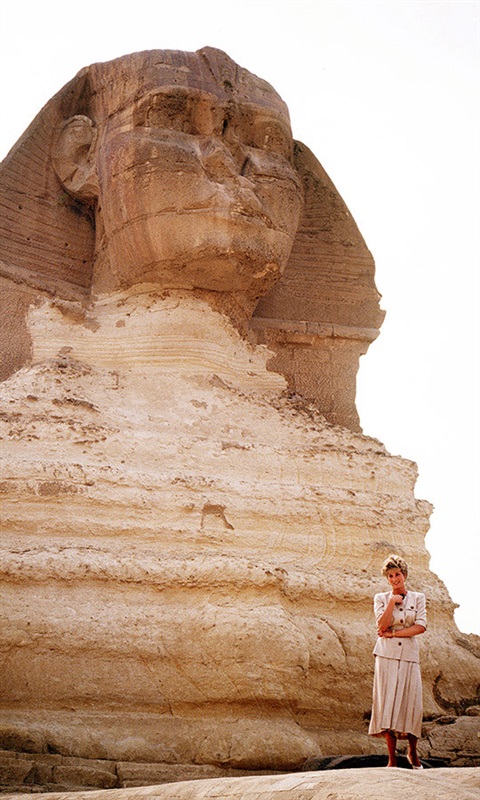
point(411, 612)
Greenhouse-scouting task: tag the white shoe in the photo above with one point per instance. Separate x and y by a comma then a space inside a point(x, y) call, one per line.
point(409, 759)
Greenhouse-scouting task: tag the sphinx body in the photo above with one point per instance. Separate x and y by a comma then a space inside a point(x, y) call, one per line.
point(180, 521)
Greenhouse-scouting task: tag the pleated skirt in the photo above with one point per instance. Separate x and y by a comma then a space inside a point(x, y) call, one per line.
point(397, 703)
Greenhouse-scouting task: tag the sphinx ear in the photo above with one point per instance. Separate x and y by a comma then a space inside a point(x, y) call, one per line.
point(73, 156)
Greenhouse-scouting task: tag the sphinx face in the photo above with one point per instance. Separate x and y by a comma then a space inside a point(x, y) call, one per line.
point(197, 190)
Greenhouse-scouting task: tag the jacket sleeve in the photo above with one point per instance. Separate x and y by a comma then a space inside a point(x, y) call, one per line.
point(421, 610)
point(379, 605)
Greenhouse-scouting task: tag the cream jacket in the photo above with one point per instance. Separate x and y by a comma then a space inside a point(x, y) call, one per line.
point(411, 612)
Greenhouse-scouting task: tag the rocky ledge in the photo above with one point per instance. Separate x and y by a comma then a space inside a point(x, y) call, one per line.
point(354, 784)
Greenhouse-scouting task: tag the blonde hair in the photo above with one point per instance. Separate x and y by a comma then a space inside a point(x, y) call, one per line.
point(395, 562)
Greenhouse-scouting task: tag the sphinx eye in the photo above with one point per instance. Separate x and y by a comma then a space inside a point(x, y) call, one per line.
point(167, 110)
point(272, 136)
point(186, 111)
point(171, 111)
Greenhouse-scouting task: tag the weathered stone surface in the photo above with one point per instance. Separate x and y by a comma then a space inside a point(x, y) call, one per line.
point(148, 774)
point(44, 769)
point(178, 541)
point(189, 548)
point(84, 776)
point(14, 770)
point(229, 165)
point(460, 740)
point(328, 288)
point(47, 771)
point(355, 784)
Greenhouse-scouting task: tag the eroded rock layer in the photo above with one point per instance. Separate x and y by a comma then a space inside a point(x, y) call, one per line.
point(356, 784)
point(189, 547)
point(189, 553)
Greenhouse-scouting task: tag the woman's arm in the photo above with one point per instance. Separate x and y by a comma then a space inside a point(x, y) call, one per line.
point(403, 633)
point(386, 619)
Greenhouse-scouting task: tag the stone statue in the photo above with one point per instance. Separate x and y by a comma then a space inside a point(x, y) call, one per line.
point(192, 521)
point(179, 169)
point(191, 172)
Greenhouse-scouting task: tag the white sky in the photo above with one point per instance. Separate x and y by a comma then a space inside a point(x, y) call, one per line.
point(386, 94)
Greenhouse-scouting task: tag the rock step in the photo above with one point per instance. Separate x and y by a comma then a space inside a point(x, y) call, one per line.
point(50, 772)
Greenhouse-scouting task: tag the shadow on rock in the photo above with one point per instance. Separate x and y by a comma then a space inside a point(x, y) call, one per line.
point(356, 762)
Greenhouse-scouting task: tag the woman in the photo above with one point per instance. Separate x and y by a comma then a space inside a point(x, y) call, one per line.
point(397, 684)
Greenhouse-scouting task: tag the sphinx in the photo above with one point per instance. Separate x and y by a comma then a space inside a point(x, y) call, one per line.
point(180, 169)
point(193, 522)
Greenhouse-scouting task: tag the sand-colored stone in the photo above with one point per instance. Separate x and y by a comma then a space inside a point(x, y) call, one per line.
point(70, 227)
point(350, 784)
point(189, 547)
point(178, 541)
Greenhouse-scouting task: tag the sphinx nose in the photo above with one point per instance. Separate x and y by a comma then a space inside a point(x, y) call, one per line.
point(218, 161)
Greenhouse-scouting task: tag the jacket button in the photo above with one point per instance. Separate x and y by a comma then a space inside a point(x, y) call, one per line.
point(401, 621)
point(399, 644)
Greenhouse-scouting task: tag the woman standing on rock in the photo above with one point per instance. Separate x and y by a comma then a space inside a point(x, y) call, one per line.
point(397, 684)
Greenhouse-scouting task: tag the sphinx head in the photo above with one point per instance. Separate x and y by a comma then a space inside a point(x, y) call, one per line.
point(178, 170)
point(187, 160)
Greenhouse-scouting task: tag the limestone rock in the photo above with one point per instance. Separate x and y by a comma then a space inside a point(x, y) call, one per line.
point(356, 784)
point(14, 771)
point(189, 546)
point(458, 741)
point(178, 545)
point(90, 192)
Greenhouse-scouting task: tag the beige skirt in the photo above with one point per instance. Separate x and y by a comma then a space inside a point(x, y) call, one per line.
point(397, 698)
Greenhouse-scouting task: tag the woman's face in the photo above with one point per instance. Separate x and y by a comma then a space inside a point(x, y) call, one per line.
point(396, 579)
point(198, 192)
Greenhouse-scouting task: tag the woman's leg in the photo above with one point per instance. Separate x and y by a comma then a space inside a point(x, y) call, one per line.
point(392, 748)
point(412, 750)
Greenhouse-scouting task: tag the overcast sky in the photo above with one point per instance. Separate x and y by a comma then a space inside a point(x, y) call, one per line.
point(386, 94)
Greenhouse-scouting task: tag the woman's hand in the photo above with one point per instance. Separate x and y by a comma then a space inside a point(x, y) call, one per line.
point(387, 634)
point(387, 617)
